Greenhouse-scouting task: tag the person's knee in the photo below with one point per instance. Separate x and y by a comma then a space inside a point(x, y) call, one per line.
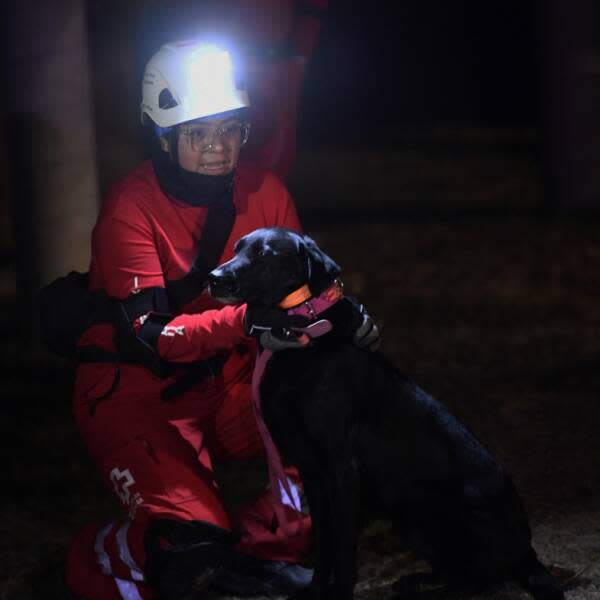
point(184, 557)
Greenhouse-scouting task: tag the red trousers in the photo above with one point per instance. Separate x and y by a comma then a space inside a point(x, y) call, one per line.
point(157, 457)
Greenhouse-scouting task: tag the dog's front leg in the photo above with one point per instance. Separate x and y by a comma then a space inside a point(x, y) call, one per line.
point(318, 492)
point(345, 512)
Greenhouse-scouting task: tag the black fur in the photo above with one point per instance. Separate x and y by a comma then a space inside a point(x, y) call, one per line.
point(365, 437)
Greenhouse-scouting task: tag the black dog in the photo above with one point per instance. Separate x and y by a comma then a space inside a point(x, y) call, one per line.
point(366, 437)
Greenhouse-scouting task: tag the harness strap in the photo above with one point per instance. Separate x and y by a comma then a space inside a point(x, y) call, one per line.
point(215, 233)
point(140, 349)
point(152, 328)
point(135, 305)
point(153, 299)
point(194, 373)
point(158, 303)
point(133, 348)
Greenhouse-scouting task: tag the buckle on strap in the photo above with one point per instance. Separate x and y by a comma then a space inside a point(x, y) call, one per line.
point(152, 299)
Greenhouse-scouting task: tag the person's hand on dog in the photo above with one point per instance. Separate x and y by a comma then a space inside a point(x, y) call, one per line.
point(367, 333)
point(352, 322)
point(274, 327)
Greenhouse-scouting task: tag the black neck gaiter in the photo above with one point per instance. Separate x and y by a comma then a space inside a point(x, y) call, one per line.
point(192, 188)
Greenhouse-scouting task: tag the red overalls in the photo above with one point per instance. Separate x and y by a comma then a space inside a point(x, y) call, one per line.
point(157, 455)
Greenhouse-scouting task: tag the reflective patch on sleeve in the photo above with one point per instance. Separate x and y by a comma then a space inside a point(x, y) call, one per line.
point(294, 501)
point(172, 331)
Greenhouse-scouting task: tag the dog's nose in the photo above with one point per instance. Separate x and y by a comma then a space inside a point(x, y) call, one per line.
point(221, 279)
point(214, 277)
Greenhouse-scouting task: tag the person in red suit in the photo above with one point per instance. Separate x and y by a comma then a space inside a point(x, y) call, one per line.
point(163, 386)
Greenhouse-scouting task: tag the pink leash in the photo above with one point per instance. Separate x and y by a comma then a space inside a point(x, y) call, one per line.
point(279, 481)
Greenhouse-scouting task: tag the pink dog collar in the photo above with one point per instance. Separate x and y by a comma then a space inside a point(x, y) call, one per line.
point(309, 306)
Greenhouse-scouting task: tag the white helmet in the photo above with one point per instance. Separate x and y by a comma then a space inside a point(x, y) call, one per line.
point(188, 80)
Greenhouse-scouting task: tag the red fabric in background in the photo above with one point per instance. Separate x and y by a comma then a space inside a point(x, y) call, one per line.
point(274, 81)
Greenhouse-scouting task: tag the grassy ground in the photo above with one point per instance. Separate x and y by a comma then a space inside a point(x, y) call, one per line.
point(497, 318)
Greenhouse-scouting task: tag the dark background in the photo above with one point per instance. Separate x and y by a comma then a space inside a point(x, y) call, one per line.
point(448, 159)
point(405, 64)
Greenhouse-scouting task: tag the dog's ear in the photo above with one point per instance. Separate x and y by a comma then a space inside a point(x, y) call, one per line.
point(320, 269)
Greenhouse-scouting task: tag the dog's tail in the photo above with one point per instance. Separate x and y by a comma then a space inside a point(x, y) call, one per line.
point(532, 575)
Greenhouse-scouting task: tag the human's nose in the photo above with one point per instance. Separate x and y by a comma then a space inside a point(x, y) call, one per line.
point(215, 141)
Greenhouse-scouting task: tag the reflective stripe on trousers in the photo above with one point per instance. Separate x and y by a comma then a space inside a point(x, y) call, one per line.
point(125, 553)
point(127, 589)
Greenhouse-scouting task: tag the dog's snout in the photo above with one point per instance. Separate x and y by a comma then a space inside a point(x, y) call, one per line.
point(223, 280)
point(214, 277)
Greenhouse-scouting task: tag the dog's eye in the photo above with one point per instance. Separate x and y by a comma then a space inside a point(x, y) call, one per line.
point(266, 253)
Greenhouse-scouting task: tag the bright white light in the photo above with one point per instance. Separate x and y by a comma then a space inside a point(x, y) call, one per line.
point(210, 68)
point(210, 82)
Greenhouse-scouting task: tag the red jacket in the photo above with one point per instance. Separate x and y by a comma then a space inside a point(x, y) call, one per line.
point(143, 238)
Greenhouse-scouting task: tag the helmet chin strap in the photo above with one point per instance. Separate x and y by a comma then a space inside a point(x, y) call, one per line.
point(174, 145)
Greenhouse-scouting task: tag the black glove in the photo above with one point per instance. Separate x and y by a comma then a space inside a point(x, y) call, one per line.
point(352, 322)
point(367, 334)
point(274, 327)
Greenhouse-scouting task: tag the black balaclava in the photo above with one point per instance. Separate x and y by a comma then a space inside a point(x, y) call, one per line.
point(192, 188)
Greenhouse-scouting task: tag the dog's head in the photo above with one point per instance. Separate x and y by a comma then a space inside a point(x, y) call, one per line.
point(268, 265)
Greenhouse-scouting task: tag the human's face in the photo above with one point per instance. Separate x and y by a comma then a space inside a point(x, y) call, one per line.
point(210, 146)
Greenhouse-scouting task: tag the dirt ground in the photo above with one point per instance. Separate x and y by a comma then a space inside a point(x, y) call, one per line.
point(498, 318)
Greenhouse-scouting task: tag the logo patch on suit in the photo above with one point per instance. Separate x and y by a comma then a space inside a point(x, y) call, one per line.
point(122, 481)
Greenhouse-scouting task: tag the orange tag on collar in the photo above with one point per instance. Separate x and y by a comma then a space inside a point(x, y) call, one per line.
point(302, 294)
point(295, 298)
